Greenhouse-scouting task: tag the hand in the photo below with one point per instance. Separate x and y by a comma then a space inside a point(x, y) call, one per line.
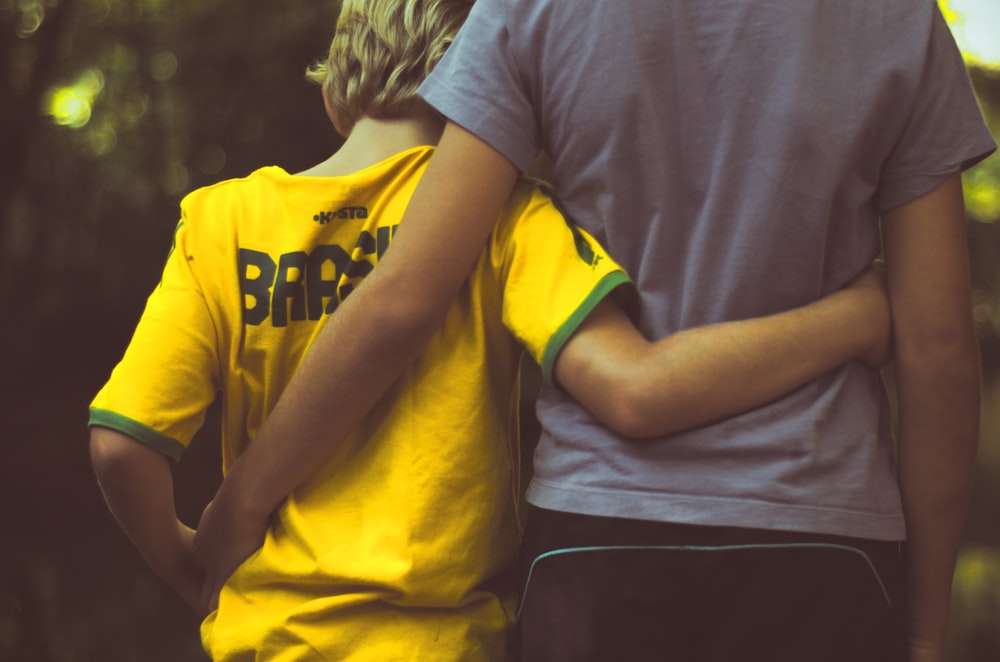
point(187, 578)
point(225, 538)
point(176, 565)
point(871, 290)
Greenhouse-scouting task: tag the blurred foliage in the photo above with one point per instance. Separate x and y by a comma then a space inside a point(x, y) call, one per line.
point(976, 598)
point(974, 24)
point(118, 108)
point(112, 110)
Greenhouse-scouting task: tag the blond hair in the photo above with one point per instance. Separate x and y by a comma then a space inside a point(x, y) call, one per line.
point(381, 51)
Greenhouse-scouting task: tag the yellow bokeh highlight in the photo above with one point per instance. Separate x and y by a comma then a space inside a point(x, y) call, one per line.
point(72, 106)
point(977, 577)
point(982, 195)
point(976, 27)
point(31, 15)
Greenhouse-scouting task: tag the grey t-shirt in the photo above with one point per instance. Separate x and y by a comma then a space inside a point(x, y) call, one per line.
point(734, 158)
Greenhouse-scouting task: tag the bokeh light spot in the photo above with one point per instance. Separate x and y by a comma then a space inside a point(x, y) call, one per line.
point(211, 159)
point(976, 27)
point(163, 66)
point(30, 18)
point(72, 106)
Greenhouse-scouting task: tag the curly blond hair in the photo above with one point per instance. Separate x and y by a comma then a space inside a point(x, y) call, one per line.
point(381, 51)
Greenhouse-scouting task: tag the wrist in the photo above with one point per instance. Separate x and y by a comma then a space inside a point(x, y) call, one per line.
point(847, 315)
point(871, 322)
point(240, 496)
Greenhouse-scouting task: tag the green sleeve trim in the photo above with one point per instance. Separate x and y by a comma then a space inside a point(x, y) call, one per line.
point(141, 433)
point(558, 340)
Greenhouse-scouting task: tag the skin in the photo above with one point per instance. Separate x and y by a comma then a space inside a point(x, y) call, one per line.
point(937, 377)
point(138, 487)
point(643, 389)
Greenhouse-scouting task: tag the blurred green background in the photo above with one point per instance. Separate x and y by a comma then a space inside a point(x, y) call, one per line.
point(110, 112)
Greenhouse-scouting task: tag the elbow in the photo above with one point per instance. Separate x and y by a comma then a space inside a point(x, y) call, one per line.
point(939, 377)
point(636, 400)
point(933, 334)
point(634, 413)
point(955, 350)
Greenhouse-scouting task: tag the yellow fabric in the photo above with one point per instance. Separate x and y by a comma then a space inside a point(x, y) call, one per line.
point(400, 547)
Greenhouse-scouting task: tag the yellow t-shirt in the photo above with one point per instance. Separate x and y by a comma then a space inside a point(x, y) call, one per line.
point(400, 547)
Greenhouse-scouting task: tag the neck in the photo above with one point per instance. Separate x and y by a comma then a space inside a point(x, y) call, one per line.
point(372, 141)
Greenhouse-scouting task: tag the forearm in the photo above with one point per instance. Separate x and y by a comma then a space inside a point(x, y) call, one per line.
point(938, 390)
point(707, 374)
point(355, 360)
point(938, 394)
point(138, 486)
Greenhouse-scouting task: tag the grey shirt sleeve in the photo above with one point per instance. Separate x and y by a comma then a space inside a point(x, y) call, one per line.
point(944, 132)
point(478, 86)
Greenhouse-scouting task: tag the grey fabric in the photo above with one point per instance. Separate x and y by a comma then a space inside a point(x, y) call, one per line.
point(734, 157)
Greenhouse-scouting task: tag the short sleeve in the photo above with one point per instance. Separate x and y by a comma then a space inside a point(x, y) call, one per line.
point(159, 391)
point(554, 274)
point(945, 132)
point(478, 85)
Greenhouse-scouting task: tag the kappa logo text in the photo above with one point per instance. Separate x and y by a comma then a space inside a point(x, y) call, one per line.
point(325, 217)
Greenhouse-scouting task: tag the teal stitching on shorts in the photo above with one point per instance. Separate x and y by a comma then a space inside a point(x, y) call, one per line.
point(696, 548)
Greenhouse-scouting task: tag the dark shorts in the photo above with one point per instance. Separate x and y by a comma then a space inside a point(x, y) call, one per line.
point(609, 589)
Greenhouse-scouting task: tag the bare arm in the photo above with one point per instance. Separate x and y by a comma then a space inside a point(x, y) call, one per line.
point(138, 487)
point(376, 333)
point(937, 377)
point(699, 376)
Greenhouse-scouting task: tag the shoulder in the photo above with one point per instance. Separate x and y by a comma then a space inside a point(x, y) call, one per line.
point(217, 210)
point(230, 191)
point(536, 224)
point(529, 200)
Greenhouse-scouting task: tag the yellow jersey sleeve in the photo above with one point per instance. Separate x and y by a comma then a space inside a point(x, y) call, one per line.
point(554, 274)
point(159, 391)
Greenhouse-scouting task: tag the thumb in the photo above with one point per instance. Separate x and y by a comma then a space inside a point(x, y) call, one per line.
point(209, 595)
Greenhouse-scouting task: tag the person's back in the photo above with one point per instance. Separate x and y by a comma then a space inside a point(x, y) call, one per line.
point(402, 544)
point(417, 512)
point(736, 158)
point(739, 169)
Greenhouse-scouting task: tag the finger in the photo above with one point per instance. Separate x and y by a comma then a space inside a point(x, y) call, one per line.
point(213, 602)
point(209, 598)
